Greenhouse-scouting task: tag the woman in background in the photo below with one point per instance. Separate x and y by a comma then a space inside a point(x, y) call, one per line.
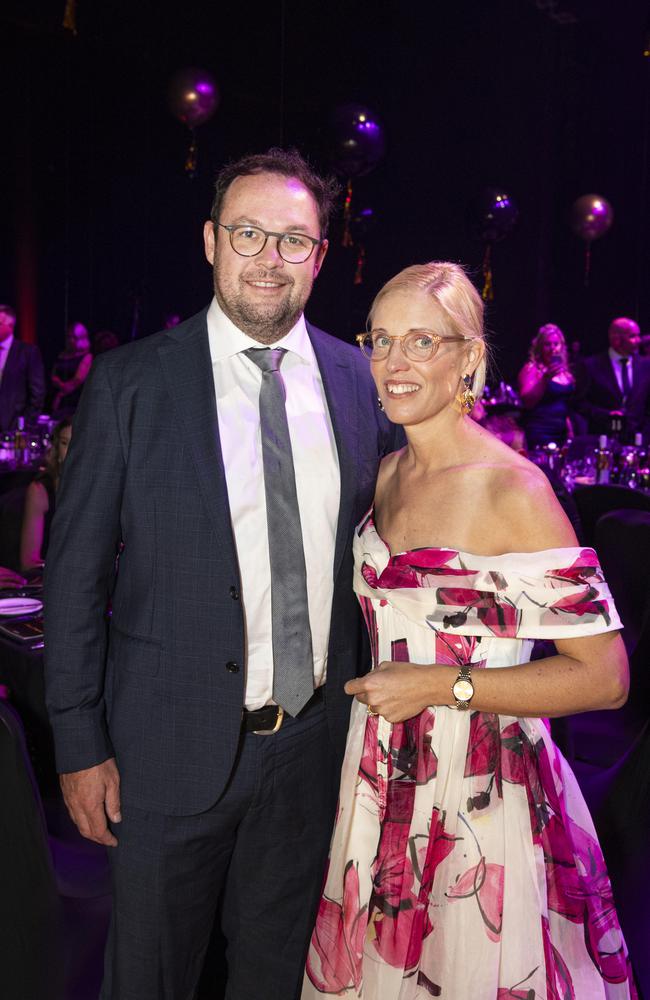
point(546, 387)
point(40, 502)
point(71, 370)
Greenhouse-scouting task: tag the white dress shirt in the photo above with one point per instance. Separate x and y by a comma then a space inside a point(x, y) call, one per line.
point(615, 358)
point(237, 382)
point(5, 347)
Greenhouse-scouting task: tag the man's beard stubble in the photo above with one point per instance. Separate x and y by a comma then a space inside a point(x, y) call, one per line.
point(266, 325)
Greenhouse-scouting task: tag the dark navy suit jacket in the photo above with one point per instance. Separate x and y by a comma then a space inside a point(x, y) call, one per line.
point(162, 688)
point(598, 393)
point(22, 389)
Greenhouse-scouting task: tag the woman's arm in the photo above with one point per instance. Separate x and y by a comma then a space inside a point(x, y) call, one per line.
point(37, 505)
point(587, 674)
point(77, 379)
point(532, 383)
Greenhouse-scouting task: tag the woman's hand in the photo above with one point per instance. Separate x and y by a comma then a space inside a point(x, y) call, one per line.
point(398, 691)
point(555, 368)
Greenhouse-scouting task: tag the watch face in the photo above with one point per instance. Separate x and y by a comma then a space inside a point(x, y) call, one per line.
point(463, 690)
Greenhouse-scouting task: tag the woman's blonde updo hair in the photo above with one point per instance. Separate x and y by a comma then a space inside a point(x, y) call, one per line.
point(454, 293)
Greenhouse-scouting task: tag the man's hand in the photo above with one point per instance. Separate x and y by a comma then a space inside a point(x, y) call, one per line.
point(398, 691)
point(91, 796)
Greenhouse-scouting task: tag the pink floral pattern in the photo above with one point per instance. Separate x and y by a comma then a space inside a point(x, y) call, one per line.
point(464, 863)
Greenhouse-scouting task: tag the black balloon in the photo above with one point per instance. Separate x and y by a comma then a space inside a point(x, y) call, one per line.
point(358, 141)
point(493, 215)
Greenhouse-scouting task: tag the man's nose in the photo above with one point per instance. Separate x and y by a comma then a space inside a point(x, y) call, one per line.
point(270, 255)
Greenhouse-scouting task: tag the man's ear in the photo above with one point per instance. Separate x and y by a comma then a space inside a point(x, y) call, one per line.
point(209, 240)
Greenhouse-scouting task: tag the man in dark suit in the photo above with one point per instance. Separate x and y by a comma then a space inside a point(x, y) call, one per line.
point(22, 378)
point(616, 382)
point(190, 736)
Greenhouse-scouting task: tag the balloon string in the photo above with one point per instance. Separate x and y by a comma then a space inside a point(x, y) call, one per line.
point(347, 240)
point(192, 156)
point(70, 16)
point(587, 262)
point(488, 290)
point(361, 260)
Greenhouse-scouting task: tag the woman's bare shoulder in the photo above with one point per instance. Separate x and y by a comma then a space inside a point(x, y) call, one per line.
point(525, 501)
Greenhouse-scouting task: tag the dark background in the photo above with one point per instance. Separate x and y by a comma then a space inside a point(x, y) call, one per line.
point(547, 98)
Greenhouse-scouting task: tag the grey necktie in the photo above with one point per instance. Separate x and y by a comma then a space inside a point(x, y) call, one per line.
point(293, 662)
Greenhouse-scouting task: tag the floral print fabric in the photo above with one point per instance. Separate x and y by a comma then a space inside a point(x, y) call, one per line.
point(464, 863)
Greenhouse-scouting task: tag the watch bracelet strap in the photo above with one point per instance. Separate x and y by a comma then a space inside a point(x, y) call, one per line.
point(464, 674)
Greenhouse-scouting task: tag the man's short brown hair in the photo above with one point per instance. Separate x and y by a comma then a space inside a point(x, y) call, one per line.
point(287, 163)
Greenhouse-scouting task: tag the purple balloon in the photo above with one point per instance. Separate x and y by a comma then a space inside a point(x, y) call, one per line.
point(493, 214)
point(591, 217)
point(193, 96)
point(358, 141)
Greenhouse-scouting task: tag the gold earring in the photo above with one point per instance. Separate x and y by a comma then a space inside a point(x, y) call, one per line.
point(467, 397)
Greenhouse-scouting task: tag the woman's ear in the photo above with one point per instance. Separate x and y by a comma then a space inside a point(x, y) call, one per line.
point(474, 356)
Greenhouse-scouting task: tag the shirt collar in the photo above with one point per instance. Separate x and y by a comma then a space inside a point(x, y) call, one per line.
point(617, 358)
point(226, 339)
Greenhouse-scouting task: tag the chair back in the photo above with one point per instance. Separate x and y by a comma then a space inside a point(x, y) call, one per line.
point(12, 505)
point(594, 501)
point(29, 906)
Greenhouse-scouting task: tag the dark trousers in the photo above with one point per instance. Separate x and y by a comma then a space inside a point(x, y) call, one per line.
point(260, 852)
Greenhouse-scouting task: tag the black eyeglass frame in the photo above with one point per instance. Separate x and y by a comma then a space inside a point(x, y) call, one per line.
point(278, 236)
point(437, 339)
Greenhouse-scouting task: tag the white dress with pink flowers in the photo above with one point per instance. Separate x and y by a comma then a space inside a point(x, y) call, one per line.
point(464, 863)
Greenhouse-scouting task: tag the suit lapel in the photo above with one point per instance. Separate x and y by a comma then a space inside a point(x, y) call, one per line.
point(187, 368)
point(612, 380)
point(340, 384)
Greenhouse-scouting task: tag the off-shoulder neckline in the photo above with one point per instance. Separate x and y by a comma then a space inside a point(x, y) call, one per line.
point(370, 517)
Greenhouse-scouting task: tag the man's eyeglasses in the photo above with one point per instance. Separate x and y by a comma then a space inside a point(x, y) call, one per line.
point(248, 241)
point(418, 345)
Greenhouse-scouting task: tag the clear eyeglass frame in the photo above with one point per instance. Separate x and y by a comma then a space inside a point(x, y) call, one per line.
point(292, 253)
point(408, 343)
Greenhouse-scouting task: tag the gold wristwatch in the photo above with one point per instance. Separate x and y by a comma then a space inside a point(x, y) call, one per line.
point(463, 689)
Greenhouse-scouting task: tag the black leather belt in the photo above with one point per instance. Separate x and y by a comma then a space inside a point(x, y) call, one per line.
point(266, 721)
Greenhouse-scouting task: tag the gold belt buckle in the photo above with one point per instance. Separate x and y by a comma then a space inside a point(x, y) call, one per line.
point(278, 723)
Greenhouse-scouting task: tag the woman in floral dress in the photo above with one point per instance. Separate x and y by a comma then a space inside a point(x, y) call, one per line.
point(464, 864)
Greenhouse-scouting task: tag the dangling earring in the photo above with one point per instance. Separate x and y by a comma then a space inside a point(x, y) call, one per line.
point(467, 397)
point(380, 404)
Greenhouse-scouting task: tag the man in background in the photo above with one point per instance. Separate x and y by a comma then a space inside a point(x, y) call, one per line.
point(22, 377)
point(615, 385)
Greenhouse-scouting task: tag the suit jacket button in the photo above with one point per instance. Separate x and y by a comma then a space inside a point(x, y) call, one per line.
point(232, 667)
point(234, 593)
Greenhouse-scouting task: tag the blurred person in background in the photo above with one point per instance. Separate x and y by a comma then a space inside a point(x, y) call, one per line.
point(22, 377)
point(546, 387)
point(104, 340)
point(71, 370)
point(40, 502)
point(616, 382)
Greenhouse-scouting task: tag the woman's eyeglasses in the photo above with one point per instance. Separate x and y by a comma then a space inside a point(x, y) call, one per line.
point(417, 345)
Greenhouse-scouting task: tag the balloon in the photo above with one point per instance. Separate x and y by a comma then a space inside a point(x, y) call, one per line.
point(358, 140)
point(493, 215)
point(193, 96)
point(591, 217)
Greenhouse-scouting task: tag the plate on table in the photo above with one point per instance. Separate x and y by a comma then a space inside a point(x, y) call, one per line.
point(12, 606)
